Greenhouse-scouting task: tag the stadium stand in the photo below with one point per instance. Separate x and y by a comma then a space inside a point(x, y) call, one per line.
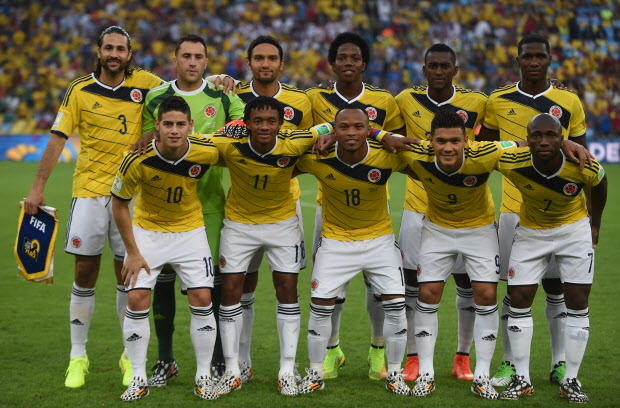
point(44, 45)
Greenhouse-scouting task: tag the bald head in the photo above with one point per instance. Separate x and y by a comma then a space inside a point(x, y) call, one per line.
point(544, 120)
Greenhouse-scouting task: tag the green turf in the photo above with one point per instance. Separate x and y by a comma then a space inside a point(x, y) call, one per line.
point(34, 328)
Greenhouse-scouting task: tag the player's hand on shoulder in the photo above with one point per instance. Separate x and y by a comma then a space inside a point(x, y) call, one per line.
point(577, 153)
point(327, 85)
point(323, 143)
point(235, 129)
point(557, 84)
point(393, 142)
point(131, 268)
point(143, 143)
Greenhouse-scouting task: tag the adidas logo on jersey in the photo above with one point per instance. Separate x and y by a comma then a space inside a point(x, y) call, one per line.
point(133, 337)
point(206, 328)
point(403, 331)
point(328, 111)
point(242, 161)
point(330, 177)
point(511, 112)
point(156, 178)
point(490, 337)
point(77, 322)
point(423, 334)
point(515, 329)
point(417, 114)
point(97, 106)
point(528, 187)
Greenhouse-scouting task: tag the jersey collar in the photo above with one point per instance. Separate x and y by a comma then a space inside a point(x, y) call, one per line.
point(533, 96)
point(256, 94)
point(442, 103)
point(354, 164)
point(454, 172)
point(263, 154)
point(186, 93)
point(349, 100)
point(554, 174)
point(107, 86)
point(174, 163)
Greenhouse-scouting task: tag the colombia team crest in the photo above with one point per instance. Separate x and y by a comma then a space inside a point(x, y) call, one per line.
point(289, 113)
point(194, 171)
point(570, 189)
point(136, 95)
point(372, 113)
point(210, 111)
point(470, 181)
point(463, 115)
point(374, 175)
point(283, 161)
point(556, 111)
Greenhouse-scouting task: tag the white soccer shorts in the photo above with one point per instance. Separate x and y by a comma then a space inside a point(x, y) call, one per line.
point(571, 244)
point(508, 223)
point(410, 238)
point(281, 241)
point(337, 262)
point(440, 247)
point(258, 256)
point(188, 253)
point(90, 224)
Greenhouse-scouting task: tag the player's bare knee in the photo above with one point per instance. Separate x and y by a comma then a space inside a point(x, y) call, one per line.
point(285, 285)
point(87, 270)
point(199, 297)
point(576, 296)
point(431, 292)
point(139, 299)
point(522, 297)
point(552, 286)
point(232, 289)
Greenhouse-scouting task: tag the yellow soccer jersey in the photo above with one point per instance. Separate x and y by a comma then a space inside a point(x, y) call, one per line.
point(260, 190)
point(379, 103)
point(461, 199)
point(549, 201)
point(419, 109)
point(167, 199)
point(297, 113)
point(108, 121)
point(354, 196)
point(509, 110)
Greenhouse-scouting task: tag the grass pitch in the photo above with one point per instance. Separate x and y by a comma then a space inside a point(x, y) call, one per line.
point(34, 329)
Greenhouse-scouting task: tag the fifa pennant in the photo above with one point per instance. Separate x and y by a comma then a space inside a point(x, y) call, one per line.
point(34, 246)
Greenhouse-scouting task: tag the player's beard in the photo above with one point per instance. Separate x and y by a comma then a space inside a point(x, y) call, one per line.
point(121, 66)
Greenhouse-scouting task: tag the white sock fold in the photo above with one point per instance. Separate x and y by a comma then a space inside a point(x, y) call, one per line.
point(245, 339)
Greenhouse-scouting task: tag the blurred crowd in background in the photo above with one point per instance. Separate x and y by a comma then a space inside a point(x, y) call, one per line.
point(45, 45)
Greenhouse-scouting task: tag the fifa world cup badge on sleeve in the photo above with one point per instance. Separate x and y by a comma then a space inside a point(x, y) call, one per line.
point(34, 246)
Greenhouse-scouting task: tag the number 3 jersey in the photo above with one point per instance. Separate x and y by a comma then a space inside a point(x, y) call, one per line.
point(167, 199)
point(355, 205)
point(108, 121)
point(549, 201)
point(461, 199)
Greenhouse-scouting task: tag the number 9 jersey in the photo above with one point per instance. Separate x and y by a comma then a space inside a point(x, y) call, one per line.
point(108, 121)
point(167, 199)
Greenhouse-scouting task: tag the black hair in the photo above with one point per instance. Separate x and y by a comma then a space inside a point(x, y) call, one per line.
point(195, 38)
point(114, 30)
point(352, 106)
point(440, 48)
point(262, 103)
point(174, 103)
point(533, 39)
point(265, 39)
point(345, 38)
point(447, 120)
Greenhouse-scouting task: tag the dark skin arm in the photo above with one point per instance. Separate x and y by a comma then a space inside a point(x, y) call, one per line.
point(487, 135)
point(599, 198)
point(140, 146)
